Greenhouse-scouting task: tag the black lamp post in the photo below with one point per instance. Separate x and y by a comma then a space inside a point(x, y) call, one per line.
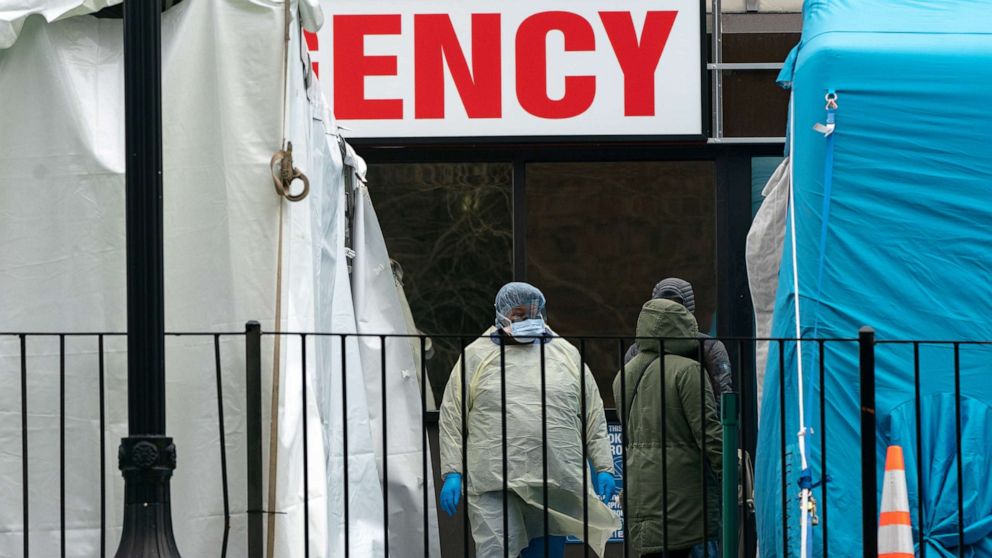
point(146, 457)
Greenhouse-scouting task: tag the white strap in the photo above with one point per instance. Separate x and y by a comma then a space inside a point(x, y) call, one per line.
point(804, 517)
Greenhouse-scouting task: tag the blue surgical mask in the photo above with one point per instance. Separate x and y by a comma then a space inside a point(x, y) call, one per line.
point(527, 328)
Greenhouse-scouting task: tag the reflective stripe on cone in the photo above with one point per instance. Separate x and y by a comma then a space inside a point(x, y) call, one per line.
point(895, 527)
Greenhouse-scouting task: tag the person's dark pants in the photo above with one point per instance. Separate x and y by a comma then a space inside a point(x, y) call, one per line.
point(685, 553)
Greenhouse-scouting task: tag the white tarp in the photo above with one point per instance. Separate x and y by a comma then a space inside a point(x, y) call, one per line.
point(321, 217)
point(420, 350)
point(13, 13)
point(379, 310)
point(62, 265)
point(764, 258)
point(62, 257)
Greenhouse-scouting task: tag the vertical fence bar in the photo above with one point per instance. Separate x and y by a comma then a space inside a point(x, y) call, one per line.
point(624, 425)
point(544, 442)
point(62, 444)
point(664, 449)
point(464, 433)
point(823, 449)
point(730, 525)
point(223, 445)
point(747, 410)
point(253, 435)
point(506, 512)
point(344, 444)
point(103, 449)
point(958, 444)
point(24, 440)
point(426, 443)
point(585, 448)
point(782, 427)
point(385, 449)
point(919, 448)
point(740, 384)
point(703, 380)
point(306, 464)
point(869, 457)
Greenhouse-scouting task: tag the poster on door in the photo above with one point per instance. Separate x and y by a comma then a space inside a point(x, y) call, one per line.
point(616, 504)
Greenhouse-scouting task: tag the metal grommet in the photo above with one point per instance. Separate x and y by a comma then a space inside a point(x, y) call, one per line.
point(831, 99)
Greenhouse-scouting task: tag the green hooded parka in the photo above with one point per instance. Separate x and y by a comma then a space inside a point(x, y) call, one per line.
point(687, 411)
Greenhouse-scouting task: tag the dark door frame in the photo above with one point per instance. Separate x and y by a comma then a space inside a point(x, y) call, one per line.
point(732, 197)
point(735, 317)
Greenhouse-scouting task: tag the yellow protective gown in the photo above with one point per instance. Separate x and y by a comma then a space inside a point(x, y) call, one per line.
point(525, 474)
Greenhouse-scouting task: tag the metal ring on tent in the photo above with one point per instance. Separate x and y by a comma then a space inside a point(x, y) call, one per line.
point(285, 173)
point(831, 99)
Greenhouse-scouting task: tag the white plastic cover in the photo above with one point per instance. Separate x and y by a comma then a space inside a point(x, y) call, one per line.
point(764, 259)
point(379, 310)
point(62, 269)
point(62, 258)
point(13, 13)
point(318, 153)
point(415, 344)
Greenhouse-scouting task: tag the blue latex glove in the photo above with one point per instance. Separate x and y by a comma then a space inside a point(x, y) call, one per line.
point(606, 486)
point(451, 493)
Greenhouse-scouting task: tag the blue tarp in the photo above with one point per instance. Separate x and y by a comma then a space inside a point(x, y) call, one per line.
point(907, 249)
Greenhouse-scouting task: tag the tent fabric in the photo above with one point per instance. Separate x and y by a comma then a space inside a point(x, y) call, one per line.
point(365, 497)
point(62, 260)
point(763, 253)
point(420, 351)
point(13, 13)
point(62, 269)
point(906, 249)
point(333, 298)
point(317, 297)
point(950, 17)
point(939, 461)
point(391, 373)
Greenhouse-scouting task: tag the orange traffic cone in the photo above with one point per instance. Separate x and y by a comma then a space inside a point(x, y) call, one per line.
point(895, 528)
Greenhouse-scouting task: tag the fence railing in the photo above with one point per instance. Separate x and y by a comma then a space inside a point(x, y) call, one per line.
point(86, 346)
point(382, 358)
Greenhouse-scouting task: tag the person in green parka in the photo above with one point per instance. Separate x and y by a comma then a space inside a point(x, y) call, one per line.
point(686, 419)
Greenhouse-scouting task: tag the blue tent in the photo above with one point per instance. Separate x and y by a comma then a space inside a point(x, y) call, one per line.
point(893, 214)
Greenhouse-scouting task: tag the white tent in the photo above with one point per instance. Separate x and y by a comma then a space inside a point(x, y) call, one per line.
point(234, 251)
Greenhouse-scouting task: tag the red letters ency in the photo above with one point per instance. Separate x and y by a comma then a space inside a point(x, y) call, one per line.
point(479, 85)
point(479, 88)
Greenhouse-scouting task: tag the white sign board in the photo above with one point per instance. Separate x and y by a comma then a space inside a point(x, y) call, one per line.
point(408, 69)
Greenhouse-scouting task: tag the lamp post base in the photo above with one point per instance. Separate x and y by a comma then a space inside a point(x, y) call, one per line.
point(147, 463)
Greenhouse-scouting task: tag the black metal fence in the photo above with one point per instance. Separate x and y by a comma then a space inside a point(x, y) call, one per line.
point(97, 379)
point(456, 538)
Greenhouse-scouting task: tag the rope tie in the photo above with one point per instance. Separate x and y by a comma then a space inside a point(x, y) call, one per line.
point(284, 174)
